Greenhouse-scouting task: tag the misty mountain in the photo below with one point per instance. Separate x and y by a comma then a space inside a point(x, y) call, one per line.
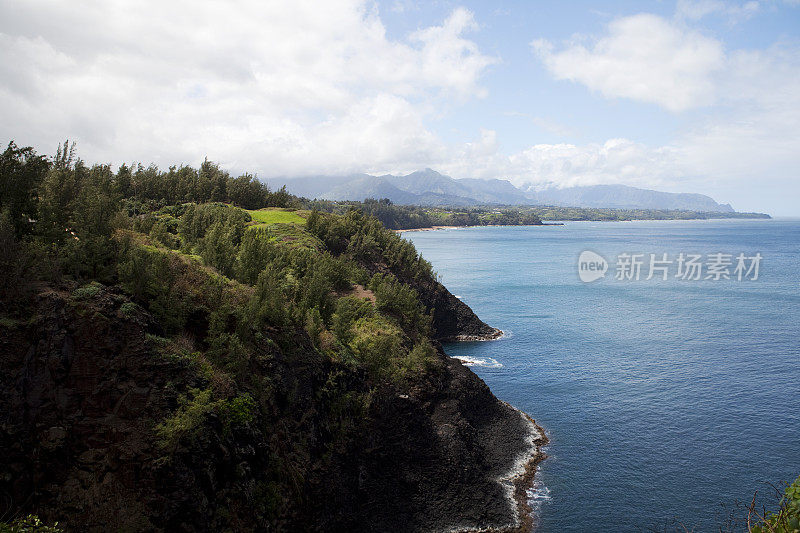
point(424, 187)
point(428, 187)
point(624, 197)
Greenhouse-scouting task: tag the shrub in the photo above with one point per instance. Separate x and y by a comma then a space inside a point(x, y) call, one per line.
point(787, 518)
point(218, 248)
point(187, 420)
point(29, 524)
point(349, 310)
point(239, 410)
point(128, 309)
point(401, 302)
point(378, 345)
point(90, 290)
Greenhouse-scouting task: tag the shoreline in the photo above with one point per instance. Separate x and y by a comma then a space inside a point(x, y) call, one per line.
point(523, 480)
point(563, 223)
point(496, 334)
point(436, 228)
point(518, 480)
point(520, 477)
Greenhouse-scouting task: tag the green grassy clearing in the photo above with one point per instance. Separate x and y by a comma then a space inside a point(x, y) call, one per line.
point(275, 215)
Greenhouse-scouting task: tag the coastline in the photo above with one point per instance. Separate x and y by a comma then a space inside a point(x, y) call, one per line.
point(435, 228)
point(517, 480)
point(520, 476)
point(493, 336)
point(523, 480)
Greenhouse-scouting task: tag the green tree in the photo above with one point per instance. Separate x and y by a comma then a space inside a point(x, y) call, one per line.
point(218, 248)
point(21, 173)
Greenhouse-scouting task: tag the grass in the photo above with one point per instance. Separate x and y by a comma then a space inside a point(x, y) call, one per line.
point(292, 235)
point(276, 215)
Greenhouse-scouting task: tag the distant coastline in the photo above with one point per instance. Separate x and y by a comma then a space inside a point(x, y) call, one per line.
point(435, 228)
point(755, 216)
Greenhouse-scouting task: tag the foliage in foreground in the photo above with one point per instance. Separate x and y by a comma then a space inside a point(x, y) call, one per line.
point(785, 520)
point(29, 524)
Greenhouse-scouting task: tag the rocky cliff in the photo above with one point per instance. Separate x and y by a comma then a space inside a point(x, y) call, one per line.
point(85, 383)
point(453, 320)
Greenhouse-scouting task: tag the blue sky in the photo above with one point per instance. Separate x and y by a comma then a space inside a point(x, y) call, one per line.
point(521, 87)
point(689, 96)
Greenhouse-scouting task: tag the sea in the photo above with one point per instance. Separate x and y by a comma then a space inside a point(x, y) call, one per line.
point(669, 403)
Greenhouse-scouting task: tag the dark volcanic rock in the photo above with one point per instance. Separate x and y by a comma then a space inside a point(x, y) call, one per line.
point(453, 320)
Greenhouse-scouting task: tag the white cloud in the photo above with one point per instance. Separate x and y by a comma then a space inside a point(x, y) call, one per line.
point(643, 57)
point(564, 165)
point(274, 87)
point(749, 102)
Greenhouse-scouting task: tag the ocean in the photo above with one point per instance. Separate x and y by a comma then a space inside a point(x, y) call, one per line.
point(668, 403)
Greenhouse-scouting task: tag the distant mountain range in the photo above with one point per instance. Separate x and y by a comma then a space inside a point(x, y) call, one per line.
point(428, 187)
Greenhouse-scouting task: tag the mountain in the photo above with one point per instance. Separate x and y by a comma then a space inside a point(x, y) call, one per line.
point(423, 187)
point(428, 187)
point(624, 197)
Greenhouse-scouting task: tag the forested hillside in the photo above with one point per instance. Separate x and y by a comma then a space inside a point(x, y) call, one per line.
point(185, 350)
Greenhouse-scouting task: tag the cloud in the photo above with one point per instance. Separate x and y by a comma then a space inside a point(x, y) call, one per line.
point(274, 87)
point(564, 165)
point(697, 9)
point(643, 57)
point(748, 103)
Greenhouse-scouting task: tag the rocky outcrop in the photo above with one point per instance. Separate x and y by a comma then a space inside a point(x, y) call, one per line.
point(83, 386)
point(453, 320)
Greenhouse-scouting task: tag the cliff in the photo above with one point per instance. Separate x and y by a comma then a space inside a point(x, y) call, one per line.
point(84, 383)
point(453, 320)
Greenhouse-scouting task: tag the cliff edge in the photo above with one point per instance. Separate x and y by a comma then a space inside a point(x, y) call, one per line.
point(85, 382)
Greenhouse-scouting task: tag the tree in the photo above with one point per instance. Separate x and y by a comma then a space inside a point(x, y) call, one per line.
point(57, 194)
point(217, 248)
point(21, 173)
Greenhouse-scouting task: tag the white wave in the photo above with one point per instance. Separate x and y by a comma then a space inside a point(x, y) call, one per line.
point(538, 493)
point(486, 362)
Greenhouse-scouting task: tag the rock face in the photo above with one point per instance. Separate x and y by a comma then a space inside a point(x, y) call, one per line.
point(82, 387)
point(453, 320)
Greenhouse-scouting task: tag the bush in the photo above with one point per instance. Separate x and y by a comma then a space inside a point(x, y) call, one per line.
point(128, 309)
point(348, 311)
point(187, 420)
point(378, 345)
point(89, 290)
point(29, 524)
point(787, 518)
point(255, 253)
point(401, 302)
point(239, 410)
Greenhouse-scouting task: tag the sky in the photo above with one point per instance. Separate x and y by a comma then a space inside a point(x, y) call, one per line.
point(688, 96)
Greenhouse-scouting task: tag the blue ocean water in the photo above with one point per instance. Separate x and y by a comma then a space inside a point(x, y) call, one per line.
point(664, 400)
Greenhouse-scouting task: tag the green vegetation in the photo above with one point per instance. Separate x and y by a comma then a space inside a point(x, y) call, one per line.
point(785, 520)
point(274, 318)
point(278, 216)
point(229, 287)
point(87, 291)
point(29, 524)
point(410, 217)
point(597, 214)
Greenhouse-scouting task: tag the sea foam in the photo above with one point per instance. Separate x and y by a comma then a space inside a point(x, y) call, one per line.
point(486, 362)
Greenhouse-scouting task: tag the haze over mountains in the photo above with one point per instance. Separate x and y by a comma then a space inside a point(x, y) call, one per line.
point(428, 187)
